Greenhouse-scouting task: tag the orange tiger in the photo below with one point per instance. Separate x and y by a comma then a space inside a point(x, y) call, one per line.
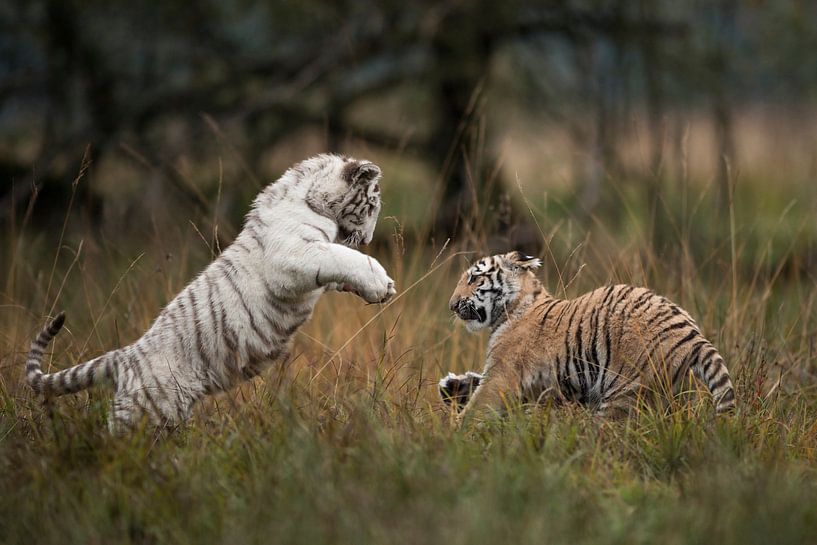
point(604, 349)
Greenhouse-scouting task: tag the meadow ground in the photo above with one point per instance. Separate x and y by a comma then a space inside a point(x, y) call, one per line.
point(349, 445)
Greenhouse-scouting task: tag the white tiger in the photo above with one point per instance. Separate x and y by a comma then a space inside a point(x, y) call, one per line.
point(238, 315)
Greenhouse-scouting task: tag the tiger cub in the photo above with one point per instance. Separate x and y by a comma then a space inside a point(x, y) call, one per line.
point(239, 314)
point(604, 349)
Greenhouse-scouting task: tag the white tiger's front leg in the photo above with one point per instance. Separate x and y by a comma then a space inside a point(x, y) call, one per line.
point(336, 264)
point(334, 286)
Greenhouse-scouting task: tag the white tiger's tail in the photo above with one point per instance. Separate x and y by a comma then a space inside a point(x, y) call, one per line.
point(69, 380)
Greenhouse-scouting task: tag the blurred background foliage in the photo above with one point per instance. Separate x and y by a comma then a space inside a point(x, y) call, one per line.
point(645, 114)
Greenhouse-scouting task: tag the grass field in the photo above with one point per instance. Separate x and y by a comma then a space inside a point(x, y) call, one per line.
point(348, 444)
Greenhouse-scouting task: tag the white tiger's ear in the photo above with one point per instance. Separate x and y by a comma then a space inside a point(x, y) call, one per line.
point(522, 261)
point(362, 172)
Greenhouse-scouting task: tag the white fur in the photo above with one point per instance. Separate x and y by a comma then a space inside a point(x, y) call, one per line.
point(239, 314)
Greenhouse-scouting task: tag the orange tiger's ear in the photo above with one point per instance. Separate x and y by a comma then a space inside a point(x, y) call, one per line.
point(521, 261)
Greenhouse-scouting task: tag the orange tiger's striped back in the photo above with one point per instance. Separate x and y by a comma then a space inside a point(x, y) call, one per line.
point(604, 349)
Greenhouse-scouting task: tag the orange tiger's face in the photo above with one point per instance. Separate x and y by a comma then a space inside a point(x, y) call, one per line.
point(488, 287)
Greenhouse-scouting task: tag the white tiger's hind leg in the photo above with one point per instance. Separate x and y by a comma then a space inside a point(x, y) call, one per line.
point(161, 407)
point(129, 410)
point(122, 418)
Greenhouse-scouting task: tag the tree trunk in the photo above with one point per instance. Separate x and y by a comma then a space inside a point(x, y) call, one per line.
point(462, 47)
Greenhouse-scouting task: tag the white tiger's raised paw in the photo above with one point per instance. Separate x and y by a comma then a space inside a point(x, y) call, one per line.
point(378, 287)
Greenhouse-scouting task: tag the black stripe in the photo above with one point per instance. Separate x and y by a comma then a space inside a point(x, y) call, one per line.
point(239, 244)
point(708, 363)
point(584, 352)
point(73, 379)
point(672, 327)
point(593, 356)
point(663, 316)
point(689, 362)
point(273, 301)
point(229, 336)
point(568, 349)
point(111, 363)
point(59, 381)
point(597, 370)
point(253, 325)
point(547, 312)
point(213, 318)
point(626, 310)
point(579, 367)
point(609, 290)
point(37, 383)
point(560, 376)
point(182, 315)
point(578, 341)
point(721, 382)
point(49, 380)
point(282, 333)
point(641, 301)
point(126, 373)
point(256, 237)
point(611, 313)
point(205, 358)
point(136, 365)
point(623, 294)
point(608, 355)
point(88, 372)
point(565, 310)
point(179, 335)
point(691, 335)
point(679, 372)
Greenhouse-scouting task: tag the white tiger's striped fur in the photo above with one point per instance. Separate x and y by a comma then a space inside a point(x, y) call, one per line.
point(238, 315)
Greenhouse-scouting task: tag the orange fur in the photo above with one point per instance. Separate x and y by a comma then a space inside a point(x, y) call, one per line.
point(604, 349)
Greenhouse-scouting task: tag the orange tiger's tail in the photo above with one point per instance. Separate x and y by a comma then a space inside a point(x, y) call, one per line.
point(711, 369)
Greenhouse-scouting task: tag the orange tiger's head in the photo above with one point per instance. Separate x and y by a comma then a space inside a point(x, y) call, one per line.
point(490, 286)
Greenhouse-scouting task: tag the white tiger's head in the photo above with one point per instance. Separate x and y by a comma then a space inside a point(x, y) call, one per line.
point(345, 190)
point(490, 286)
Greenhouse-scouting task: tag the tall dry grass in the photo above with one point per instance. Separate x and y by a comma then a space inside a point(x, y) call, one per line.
point(348, 444)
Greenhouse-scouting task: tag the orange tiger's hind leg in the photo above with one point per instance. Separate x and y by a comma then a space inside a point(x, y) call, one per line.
point(712, 371)
point(616, 409)
point(622, 403)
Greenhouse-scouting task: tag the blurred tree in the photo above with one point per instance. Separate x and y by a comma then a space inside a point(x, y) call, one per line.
point(149, 81)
